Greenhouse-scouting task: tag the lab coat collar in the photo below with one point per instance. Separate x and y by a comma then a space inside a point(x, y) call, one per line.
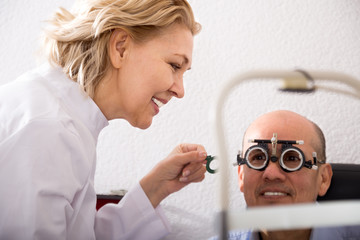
point(76, 99)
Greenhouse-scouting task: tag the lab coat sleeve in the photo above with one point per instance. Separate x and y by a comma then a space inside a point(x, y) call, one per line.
point(42, 170)
point(132, 218)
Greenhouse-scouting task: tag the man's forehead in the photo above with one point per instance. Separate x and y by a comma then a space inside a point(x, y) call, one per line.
point(284, 134)
point(281, 135)
point(260, 130)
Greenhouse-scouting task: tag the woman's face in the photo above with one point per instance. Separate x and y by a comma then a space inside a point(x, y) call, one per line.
point(150, 74)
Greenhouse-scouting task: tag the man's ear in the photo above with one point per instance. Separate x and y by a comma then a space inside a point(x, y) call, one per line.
point(325, 178)
point(241, 177)
point(118, 45)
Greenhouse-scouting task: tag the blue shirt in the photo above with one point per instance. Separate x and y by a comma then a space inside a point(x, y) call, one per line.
point(324, 233)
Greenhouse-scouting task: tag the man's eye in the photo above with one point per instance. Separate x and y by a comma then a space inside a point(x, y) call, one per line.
point(292, 158)
point(259, 157)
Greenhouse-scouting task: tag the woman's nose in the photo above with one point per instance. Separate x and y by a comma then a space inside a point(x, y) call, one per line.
point(178, 88)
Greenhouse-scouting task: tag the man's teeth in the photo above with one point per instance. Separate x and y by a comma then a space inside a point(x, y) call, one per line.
point(157, 102)
point(274, 194)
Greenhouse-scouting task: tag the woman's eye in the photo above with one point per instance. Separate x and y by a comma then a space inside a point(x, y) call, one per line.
point(175, 66)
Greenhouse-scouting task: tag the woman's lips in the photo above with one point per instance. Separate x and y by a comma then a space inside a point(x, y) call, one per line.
point(158, 102)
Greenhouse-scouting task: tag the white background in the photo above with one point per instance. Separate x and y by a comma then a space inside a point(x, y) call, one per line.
point(237, 36)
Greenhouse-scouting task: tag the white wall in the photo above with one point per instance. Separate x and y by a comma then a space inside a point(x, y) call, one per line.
point(237, 36)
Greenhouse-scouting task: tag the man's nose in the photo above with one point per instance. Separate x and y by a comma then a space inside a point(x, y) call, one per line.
point(273, 171)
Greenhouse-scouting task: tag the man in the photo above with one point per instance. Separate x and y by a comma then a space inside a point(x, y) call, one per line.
point(277, 168)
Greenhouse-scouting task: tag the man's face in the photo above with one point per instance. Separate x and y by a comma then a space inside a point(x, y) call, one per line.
point(274, 185)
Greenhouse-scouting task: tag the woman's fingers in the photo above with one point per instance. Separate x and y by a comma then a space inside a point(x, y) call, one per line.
point(194, 172)
point(190, 157)
point(188, 147)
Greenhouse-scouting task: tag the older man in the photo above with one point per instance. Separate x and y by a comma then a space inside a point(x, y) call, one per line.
point(284, 162)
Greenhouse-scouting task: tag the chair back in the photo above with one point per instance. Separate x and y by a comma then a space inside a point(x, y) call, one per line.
point(345, 183)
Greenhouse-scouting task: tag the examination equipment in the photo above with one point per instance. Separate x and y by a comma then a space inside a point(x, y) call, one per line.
point(319, 217)
point(291, 158)
point(209, 159)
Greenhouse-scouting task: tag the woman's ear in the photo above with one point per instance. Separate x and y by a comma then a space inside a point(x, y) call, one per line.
point(118, 44)
point(325, 178)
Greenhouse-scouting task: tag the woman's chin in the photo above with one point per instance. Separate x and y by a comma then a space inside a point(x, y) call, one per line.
point(142, 124)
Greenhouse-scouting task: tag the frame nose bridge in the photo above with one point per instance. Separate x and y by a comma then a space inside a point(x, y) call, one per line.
point(273, 158)
point(273, 170)
point(273, 151)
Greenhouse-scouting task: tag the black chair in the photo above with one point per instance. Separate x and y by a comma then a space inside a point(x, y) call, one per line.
point(345, 183)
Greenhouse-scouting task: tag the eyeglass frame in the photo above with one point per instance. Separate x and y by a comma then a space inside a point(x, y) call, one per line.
point(262, 144)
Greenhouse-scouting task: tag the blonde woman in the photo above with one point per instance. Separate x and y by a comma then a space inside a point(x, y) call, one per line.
point(108, 59)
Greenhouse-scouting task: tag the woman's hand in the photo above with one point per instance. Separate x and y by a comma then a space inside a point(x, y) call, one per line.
point(184, 165)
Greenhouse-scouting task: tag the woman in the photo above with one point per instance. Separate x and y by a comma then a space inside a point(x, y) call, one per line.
point(109, 59)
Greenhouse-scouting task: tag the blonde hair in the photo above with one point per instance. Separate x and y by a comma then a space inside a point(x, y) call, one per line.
point(78, 41)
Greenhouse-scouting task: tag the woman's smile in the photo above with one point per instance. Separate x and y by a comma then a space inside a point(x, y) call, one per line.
point(157, 104)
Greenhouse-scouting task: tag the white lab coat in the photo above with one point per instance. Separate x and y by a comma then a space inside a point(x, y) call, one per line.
point(48, 135)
